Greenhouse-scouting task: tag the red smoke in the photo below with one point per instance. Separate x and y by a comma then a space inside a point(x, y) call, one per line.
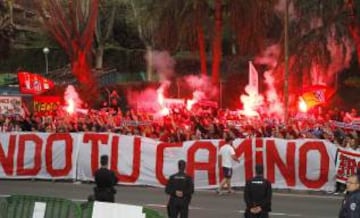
point(274, 103)
point(162, 62)
point(203, 89)
point(252, 101)
point(73, 101)
point(150, 100)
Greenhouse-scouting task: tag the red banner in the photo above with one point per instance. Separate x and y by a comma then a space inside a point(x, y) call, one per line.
point(30, 83)
point(46, 104)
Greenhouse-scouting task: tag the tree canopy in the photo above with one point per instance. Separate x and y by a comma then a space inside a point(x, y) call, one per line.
point(324, 35)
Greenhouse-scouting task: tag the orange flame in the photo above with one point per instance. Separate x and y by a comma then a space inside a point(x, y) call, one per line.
point(70, 108)
point(302, 105)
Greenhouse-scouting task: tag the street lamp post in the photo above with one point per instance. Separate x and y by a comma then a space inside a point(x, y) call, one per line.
point(46, 51)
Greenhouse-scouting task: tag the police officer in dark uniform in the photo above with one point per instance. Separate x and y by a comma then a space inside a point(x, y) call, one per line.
point(350, 207)
point(105, 180)
point(180, 188)
point(257, 196)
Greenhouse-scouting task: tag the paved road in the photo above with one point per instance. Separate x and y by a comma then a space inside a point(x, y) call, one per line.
point(204, 204)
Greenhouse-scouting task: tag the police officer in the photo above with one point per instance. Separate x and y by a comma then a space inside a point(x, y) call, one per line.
point(350, 207)
point(257, 195)
point(180, 188)
point(105, 180)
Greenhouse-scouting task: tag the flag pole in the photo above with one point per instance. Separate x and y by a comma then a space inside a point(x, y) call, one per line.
point(286, 75)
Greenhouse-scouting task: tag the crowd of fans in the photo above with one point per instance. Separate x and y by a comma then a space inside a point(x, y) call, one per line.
point(200, 123)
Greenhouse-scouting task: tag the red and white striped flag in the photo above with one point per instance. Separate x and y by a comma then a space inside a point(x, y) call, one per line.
point(31, 83)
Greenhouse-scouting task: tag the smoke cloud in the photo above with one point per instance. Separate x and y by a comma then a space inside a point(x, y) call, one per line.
point(149, 100)
point(280, 7)
point(202, 84)
point(162, 62)
point(73, 101)
point(202, 88)
point(274, 104)
point(341, 54)
point(269, 56)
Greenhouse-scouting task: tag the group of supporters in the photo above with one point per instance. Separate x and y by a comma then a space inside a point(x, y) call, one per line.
point(182, 125)
point(339, 127)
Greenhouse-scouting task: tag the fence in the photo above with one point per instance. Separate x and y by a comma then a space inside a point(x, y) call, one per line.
point(21, 206)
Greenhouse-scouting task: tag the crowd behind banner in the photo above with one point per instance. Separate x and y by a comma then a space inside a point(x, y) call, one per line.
point(339, 128)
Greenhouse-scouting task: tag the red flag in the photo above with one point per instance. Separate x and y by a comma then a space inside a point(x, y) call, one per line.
point(315, 95)
point(30, 83)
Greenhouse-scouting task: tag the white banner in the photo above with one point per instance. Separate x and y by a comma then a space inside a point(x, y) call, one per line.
point(40, 155)
point(11, 105)
point(347, 162)
point(295, 164)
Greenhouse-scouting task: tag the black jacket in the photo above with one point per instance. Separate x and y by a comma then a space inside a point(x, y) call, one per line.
point(258, 192)
point(105, 178)
point(180, 182)
point(350, 207)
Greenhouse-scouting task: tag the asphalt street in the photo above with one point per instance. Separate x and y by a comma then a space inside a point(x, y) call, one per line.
point(204, 204)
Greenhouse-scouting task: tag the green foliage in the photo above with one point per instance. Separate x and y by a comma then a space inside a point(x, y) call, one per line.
point(7, 31)
point(33, 60)
point(317, 29)
point(252, 25)
point(251, 22)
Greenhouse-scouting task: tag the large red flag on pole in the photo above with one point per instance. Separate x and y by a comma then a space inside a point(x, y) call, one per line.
point(31, 83)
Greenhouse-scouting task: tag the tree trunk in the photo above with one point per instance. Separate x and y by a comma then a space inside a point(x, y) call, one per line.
point(11, 11)
point(146, 42)
point(149, 62)
point(355, 33)
point(81, 69)
point(358, 51)
point(217, 43)
point(202, 50)
point(99, 57)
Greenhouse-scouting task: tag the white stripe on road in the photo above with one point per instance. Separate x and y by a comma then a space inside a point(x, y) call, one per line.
point(164, 206)
point(284, 214)
point(299, 195)
point(278, 214)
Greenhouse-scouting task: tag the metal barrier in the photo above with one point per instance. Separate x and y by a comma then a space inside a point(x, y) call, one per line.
point(22, 206)
point(3, 205)
point(87, 209)
point(18, 206)
point(151, 213)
